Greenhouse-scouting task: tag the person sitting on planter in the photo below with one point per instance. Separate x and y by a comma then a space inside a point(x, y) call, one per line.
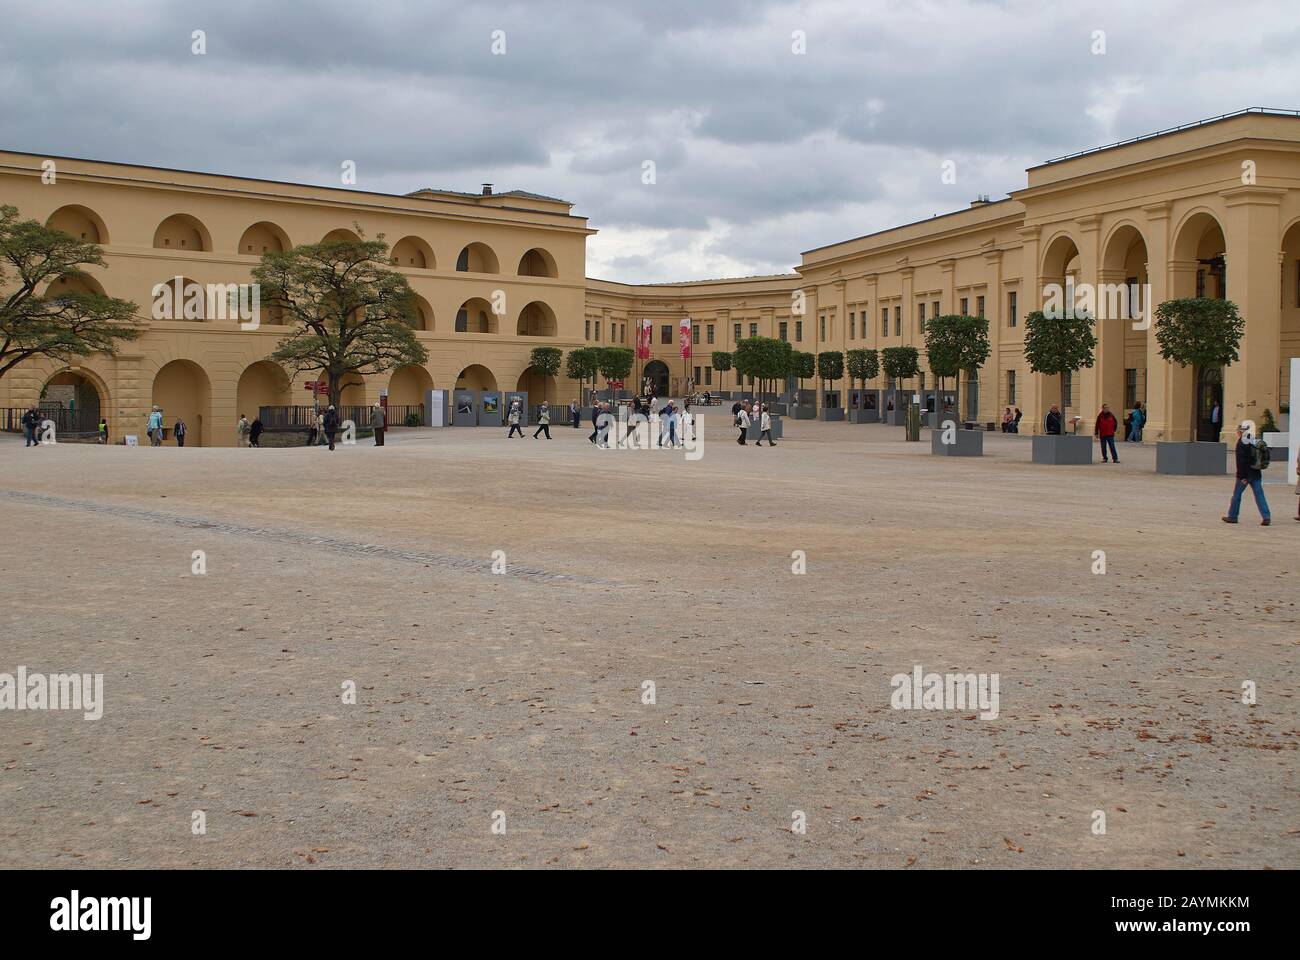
point(1105, 432)
point(1248, 475)
point(1053, 423)
point(1006, 420)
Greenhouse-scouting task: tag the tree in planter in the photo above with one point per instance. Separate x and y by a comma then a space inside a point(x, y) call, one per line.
point(59, 326)
point(862, 365)
point(721, 361)
point(1059, 343)
point(953, 343)
point(352, 314)
point(1199, 332)
point(766, 359)
point(830, 366)
point(802, 365)
point(582, 365)
point(899, 364)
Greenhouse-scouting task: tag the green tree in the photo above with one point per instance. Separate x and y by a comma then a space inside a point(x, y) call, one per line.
point(1199, 332)
point(59, 326)
point(803, 365)
point(721, 361)
point(953, 343)
point(351, 314)
point(582, 365)
point(830, 366)
point(862, 365)
point(766, 359)
point(1060, 343)
point(614, 363)
point(546, 360)
point(900, 363)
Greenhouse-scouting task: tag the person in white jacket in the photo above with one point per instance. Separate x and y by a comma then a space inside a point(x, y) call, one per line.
point(742, 421)
point(765, 428)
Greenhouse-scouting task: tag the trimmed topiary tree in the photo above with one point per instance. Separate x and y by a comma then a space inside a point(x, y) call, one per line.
point(830, 365)
point(802, 365)
point(862, 365)
point(721, 361)
point(766, 359)
point(582, 365)
point(953, 343)
point(1060, 343)
point(900, 363)
point(1199, 332)
point(614, 363)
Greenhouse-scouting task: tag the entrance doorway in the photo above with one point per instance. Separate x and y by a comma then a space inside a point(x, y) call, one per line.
point(1209, 394)
point(656, 371)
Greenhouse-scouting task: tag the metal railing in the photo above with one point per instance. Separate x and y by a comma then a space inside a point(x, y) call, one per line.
point(66, 422)
point(1271, 111)
point(303, 416)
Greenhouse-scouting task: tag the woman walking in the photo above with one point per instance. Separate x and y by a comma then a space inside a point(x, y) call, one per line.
point(543, 421)
point(765, 428)
point(514, 417)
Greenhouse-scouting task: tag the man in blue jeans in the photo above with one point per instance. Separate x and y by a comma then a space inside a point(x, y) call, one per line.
point(1247, 476)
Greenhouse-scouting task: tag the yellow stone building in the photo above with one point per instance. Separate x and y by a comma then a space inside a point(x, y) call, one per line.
point(1210, 209)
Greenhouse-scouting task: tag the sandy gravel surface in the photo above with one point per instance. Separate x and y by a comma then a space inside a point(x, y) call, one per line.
point(522, 692)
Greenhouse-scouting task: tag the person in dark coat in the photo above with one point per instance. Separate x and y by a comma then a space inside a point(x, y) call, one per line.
point(1247, 476)
point(597, 408)
point(331, 424)
point(1052, 426)
point(31, 422)
point(178, 431)
point(255, 433)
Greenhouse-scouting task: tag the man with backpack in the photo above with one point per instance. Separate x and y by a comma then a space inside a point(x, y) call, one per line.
point(1252, 458)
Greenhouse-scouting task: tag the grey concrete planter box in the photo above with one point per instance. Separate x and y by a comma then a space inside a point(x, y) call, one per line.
point(753, 433)
point(933, 420)
point(896, 417)
point(778, 410)
point(864, 416)
point(831, 413)
point(966, 443)
point(803, 413)
point(1062, 450)
point(1199, 459)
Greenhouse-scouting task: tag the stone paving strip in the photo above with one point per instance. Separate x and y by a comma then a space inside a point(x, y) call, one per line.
point(338, 545)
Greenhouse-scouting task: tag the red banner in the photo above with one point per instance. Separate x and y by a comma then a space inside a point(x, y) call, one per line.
point(684, 335)
point(643, 340)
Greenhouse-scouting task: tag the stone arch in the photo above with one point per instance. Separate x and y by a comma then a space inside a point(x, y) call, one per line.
point(656, 371)
point(183, 390)
point(406, 386)
point(477, 258)
point(475, 316)
point(80, 222)
point(1059, 256)
point(340, 235)
point(538, 262)
point(75, 398)
point(1199, 254)
point(179, 298)
point(539, 387)
point(476, 377)
point(263, 237)
point(181, 231)
point(73, 283)
point(422, 314)
point(537, 320)
point(262, 384)
point(412, 252)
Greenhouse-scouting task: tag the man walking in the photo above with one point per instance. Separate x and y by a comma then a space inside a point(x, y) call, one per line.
point(379, 420)
point(179, 432)
point(573, 414)
point(1105, 432)
point(103, 430)
point(595, 421)
point(31, 421)
point(255, 433)
point(742, 421)
point(331, 420)
point(1248, 475)
point(241, 431)
point(543, 421)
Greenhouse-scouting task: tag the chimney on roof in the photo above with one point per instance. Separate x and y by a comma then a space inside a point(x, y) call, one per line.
point(979, 201)
point(487, 189)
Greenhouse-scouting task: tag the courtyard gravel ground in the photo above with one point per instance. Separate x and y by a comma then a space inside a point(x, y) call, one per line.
point(522, 692)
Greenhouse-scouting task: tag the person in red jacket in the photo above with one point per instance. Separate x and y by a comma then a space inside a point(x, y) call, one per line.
point(1105, 432)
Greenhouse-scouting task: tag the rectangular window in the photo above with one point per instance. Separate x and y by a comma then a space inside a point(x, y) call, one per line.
point(1011, 388)
point(979, 306)
point(1012, 317)
point(708, 375)
point(597, 331)
point(736, 331)
point(785, 330)
point(666, 333)
point(798, 331)
point(1067, 389)
point(710, 335)
point(1130, 387)
point(964, 304)
point(821, 327)
point(898, 320)
point(853, 325)
point(695, 336)
point(920, 317)
point(884, 321)
point(934, 311)
point(697, 376)
point(753, 329)
point(587, 334)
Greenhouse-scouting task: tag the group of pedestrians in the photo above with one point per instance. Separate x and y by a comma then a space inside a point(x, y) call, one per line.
point(155, 429)
point(248, 434)
point(324, 426)
point(1011, 421)
point(744, 415)
point(515, 417)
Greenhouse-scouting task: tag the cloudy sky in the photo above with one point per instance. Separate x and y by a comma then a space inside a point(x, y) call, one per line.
point(760, 151)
